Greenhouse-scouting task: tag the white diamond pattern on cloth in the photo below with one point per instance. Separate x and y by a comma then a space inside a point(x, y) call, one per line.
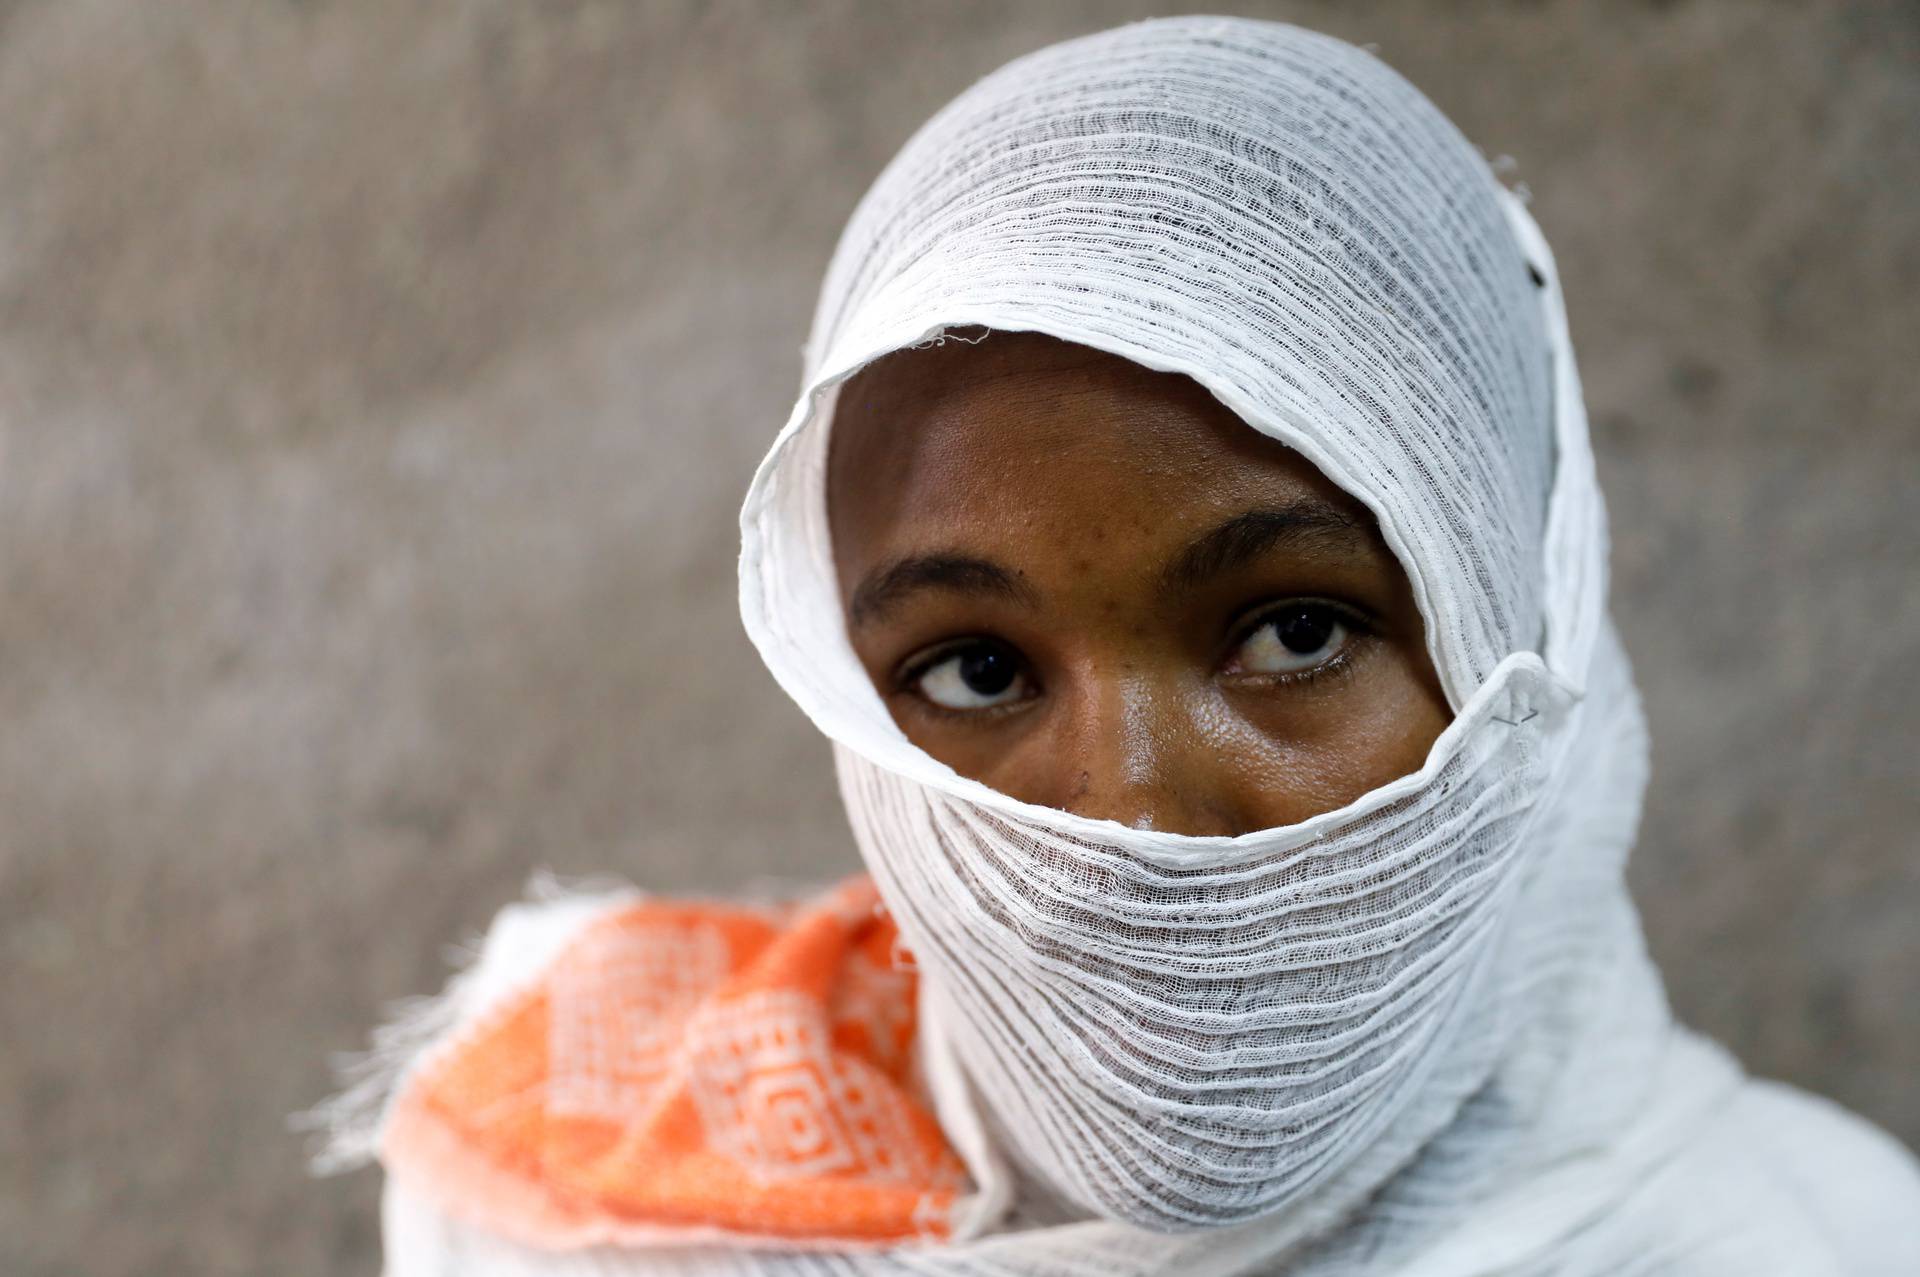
point(873, 994)
point(777, 1101)
point(612, 1025)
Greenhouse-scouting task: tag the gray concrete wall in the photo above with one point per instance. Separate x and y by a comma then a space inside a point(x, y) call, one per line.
point(377, 386)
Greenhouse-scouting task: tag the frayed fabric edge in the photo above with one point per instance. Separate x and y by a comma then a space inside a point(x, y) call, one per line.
point(348, 1122)
point(347, 1125)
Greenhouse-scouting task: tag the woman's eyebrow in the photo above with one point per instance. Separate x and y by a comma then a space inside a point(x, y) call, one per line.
point(1306, 524)
point(882, 589)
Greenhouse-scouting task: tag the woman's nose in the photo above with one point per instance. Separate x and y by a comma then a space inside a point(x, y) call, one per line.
point(1132, 750)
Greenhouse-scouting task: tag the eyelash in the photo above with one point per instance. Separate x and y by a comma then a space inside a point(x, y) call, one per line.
point(907, 681)
point(952, 715)
point(1340, 666)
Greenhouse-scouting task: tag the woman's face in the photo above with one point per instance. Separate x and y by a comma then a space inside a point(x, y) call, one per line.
point(1092, 587)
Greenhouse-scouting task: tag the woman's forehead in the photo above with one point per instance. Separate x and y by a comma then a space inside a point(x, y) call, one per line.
point(991, 373)
point(1013, 397)
point(1040, 446)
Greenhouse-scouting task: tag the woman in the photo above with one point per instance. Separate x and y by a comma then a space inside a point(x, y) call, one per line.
point(1203, 584)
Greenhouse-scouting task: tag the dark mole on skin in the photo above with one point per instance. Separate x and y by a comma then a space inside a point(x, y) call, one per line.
point(1119, 538)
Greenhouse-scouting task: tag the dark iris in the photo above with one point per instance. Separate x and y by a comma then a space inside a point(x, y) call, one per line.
point(987, 670)
point(1305, 629)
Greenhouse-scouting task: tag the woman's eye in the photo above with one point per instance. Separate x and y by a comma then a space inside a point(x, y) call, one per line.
point(1290, 639)
point(980, 675)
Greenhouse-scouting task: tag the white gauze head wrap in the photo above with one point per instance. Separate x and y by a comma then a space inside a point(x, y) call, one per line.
point(1177, 1033)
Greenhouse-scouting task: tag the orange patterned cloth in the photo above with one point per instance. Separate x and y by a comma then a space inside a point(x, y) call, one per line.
point(690, 1072)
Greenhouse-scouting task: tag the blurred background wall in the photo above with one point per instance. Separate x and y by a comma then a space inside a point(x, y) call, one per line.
point(378, 382)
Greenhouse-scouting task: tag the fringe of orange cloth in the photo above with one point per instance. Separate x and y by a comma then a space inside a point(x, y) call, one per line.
point(690, 1072)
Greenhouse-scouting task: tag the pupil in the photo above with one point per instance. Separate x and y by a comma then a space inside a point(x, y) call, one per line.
point(987, 671)
point(1305, 631)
